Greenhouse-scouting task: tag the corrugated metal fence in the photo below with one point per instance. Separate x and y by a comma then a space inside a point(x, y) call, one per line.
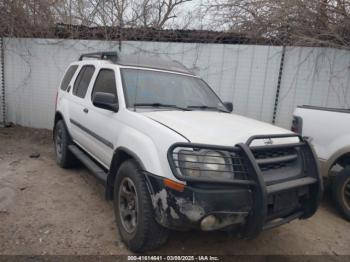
point(2, 85)
point(247, 75)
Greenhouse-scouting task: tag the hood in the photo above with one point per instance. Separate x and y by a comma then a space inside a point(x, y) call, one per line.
point(216, 128)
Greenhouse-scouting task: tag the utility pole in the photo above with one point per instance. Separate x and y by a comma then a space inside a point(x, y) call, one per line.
point(285, 38)
point(2, 75)
point(70, 12)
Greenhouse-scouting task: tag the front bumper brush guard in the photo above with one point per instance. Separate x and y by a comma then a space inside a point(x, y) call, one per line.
point(257, 219)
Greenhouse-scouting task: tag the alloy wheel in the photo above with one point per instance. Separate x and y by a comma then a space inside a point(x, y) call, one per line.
point(346, 193)
point(59, 142)
point(128, 204)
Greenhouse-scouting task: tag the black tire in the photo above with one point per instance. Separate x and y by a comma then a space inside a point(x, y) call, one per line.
point(341, 192)
point(64, 156)
point(145, 234)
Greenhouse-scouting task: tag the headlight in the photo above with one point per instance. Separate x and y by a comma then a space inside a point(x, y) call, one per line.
point(206, 164)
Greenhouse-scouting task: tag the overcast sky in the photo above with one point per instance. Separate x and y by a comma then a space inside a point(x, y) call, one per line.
point(191, 7)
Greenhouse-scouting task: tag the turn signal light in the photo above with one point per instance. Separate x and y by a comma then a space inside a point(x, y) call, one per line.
point(174, 185)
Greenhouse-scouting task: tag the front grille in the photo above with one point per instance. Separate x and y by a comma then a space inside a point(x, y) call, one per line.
point(279, 163)
point(268, 159)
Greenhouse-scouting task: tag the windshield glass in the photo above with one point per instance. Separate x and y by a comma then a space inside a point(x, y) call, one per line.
point(161, 89)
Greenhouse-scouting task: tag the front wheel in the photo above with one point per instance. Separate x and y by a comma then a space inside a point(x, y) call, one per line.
point(341, 192)
point(134, 211)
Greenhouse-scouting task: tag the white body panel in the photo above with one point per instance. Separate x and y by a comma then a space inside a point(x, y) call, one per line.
point(328, 132)
point(216, 128)
point(150, 134)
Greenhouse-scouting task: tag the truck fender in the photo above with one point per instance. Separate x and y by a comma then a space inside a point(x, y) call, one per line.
point(133, 142)
point(333, 159)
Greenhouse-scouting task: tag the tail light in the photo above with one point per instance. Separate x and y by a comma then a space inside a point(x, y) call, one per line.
point(297, 125)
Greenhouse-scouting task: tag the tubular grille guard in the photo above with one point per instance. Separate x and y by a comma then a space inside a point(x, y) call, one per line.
point(288, 159)
point(283, 162)
point(257, 218)
point(280, 162)
point(299, 154)
point(238, 163)
point(252, 138)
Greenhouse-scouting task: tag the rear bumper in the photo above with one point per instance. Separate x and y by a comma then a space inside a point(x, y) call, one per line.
point(248, 208)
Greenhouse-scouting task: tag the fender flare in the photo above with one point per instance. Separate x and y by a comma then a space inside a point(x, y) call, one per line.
point(119, 156)
point(58, 114)
point(333, 159)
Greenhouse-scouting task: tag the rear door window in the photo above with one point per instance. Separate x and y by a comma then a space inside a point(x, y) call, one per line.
point(68, 77)
point(105, 83)
point(83, 80)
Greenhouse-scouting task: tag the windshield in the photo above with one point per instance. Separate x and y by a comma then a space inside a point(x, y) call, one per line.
point(168, 90)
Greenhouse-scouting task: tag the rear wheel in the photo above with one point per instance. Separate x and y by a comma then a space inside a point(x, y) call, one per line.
point(134, 210)
point(64, 157)
point(341, 191)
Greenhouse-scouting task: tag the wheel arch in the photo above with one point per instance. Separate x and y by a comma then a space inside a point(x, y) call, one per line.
point(59, 116)
point(120, 155)
point(341, 157)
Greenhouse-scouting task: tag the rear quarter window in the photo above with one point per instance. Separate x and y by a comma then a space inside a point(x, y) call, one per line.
point(83, 80)
point(68, 77)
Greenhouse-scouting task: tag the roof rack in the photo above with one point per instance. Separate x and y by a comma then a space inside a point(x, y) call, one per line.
point(137, 60)
point(112, 56)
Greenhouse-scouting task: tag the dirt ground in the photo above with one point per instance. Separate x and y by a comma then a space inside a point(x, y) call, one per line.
point(48, 210)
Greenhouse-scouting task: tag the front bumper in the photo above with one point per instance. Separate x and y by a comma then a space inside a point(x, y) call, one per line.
point(185, 210)
point(248, 207)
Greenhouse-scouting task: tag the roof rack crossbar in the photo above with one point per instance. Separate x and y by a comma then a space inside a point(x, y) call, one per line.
point(113, 56)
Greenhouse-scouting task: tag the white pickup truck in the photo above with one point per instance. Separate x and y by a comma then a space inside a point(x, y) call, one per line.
point(172, 155)
point(328, 129)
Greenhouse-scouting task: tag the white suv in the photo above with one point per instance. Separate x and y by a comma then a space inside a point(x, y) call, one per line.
point(172, 156)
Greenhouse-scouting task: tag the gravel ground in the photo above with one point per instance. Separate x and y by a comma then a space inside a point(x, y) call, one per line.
point(48, 210)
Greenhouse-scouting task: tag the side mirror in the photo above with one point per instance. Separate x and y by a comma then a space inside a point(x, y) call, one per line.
point(106, 101)
point(229, 106)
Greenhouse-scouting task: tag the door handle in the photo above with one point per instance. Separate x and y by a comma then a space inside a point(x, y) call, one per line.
point(85, 110)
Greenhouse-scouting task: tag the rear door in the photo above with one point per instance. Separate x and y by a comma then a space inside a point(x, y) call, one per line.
point(78, 109)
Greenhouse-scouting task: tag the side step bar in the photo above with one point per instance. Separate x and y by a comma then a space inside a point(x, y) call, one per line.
point(89, 163)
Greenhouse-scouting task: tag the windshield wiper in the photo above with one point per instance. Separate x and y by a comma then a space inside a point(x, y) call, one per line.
point(162, 105)
point(208, 107)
